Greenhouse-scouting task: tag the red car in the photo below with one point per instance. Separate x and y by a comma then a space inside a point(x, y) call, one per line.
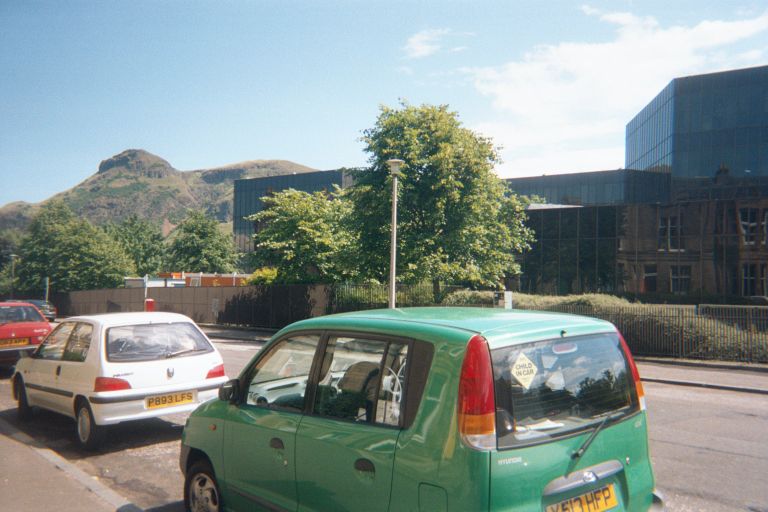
point(22, 328)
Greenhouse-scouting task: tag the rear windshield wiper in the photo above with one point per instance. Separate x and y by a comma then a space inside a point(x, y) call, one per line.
point(578, 453)
point(169, 355)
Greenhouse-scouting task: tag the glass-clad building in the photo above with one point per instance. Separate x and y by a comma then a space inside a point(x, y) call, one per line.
point(248, 194)
point(595, 188)
point(698, 124)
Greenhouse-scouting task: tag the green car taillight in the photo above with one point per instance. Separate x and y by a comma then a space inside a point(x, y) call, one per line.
point(476, 404)
point(635, 373)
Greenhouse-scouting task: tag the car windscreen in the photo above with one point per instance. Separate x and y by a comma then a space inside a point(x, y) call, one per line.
point(16, 314)
point(148, 342)
point(549, 389)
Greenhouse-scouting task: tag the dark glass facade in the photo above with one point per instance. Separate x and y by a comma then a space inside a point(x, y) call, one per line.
point(575, 251)
point(596, 188)
point(649, 141)
point(700, 123)
point(248, 194)
point(709, 240)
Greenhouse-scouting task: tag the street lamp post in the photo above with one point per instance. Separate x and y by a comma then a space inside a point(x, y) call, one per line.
point(13, 272)
point(394, 171)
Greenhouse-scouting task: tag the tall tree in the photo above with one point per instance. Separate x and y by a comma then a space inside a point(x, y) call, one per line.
point(198, 245)
point(10, 240)
point(452, 208)
point(71, 252)
point(142, 241)
point(305, 236)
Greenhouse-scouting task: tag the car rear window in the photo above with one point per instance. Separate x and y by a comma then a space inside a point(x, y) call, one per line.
point(16, 314)
point(148, 342)
point(554, 388)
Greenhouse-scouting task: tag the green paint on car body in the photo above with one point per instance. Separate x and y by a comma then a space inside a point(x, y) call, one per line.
point(423, 463)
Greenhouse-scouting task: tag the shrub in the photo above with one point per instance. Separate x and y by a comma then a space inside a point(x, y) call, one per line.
point(662, 330)
point(263, 275)
point(469, 298)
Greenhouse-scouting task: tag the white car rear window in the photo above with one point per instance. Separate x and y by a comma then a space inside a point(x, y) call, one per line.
point(148, 342)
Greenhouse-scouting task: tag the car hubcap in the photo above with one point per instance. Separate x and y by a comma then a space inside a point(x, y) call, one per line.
point(84, 424)
point(203, 495)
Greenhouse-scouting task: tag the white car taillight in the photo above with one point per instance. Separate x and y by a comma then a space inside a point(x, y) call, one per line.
point(110, 384)
point(216, 371)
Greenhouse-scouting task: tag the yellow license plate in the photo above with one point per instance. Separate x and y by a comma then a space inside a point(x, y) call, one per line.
point(13, 342)
point(171, 399)
point(598, 500)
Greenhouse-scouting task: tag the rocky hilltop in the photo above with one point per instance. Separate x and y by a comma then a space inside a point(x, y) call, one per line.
point(138, 182)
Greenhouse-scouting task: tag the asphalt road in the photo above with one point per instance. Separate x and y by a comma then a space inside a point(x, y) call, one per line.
point(708, 447)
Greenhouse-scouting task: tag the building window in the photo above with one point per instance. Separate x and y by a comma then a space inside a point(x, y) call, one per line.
point(748, 224)
point(669, 234)
point(680, 279)
point(764, 279)
point(649, 279)
point(749, 279)
point(765, 232)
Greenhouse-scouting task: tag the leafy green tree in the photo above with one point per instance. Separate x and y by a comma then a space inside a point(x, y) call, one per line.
point(198, 245)
point(305, 236)
point(70, 251)
point(142, 241)
point(10, 240)
point(453, 211)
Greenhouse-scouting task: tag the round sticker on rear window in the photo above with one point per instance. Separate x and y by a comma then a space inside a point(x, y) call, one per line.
point(524, 370)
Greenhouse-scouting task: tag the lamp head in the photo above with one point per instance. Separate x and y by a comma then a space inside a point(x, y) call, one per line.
point(394, 167)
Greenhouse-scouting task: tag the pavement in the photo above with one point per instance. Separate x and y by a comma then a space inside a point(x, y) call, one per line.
point(33, 477)
point(63, 487)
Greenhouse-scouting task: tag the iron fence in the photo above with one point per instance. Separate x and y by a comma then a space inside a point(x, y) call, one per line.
point(734, 333)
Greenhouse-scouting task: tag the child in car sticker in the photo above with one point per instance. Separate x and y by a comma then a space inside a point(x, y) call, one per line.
point(524, 370)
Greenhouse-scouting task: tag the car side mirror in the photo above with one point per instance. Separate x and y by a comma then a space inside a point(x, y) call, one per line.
point(230, 391)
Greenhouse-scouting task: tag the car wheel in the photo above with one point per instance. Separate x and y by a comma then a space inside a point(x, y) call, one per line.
point(23, 410)
point(89, 434)
point(201, 492)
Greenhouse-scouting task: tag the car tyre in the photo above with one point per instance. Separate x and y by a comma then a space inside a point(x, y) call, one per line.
point(23, 410)
point(201, 491)
point(89, 434)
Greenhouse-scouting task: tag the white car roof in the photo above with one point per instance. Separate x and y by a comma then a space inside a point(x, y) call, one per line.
point(141, 317)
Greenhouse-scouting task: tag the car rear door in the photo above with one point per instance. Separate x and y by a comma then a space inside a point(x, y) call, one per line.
point(160, 359)
point(568, 413)
point(72, 375)
point(260, 434)
point(345, 448)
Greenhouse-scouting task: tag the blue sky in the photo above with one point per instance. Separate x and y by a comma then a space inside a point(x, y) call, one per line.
point(205, 84)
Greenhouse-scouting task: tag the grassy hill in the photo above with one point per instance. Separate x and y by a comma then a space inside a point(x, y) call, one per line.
point(140, 183)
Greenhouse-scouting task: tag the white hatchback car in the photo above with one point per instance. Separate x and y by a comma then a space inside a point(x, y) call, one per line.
point(106, 369)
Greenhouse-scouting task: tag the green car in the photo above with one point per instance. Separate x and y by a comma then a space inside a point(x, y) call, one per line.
point(429, 410)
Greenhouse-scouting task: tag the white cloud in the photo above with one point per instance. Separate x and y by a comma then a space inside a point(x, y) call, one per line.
point(565, 106)
point(425, 43)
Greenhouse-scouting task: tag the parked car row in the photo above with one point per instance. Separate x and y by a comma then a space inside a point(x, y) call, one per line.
point(406, 409)
point(46, 308)
point(22, 328)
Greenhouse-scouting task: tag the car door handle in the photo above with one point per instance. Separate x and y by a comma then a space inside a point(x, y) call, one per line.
point(365, 465)
point(276, 443)
point(58, 370)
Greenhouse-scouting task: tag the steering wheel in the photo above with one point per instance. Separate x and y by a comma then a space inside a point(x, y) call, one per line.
point(120, 344)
